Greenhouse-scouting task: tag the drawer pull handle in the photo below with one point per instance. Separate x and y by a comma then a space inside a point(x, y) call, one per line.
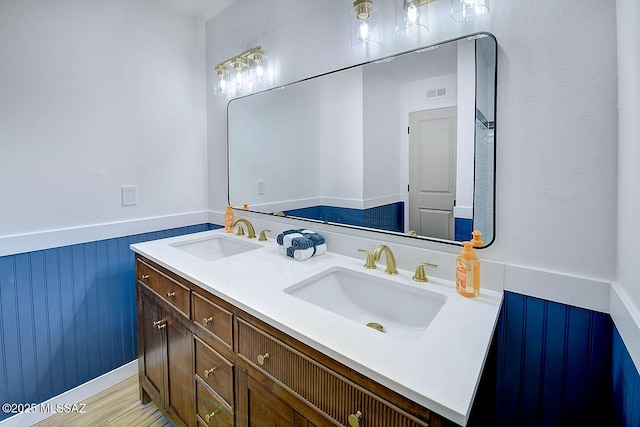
point(262, 358)
point(354, 419)
point(208, 372)
point(160, 324)
point(144, 277)
point(211, 415)
point(171, 294)
point(207, 320)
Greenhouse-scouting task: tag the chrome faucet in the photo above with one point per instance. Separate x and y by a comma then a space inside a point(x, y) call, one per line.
point(250, 229)
point(391, 261)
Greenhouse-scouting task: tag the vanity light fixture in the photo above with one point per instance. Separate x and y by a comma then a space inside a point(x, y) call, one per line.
point(365, 31)
point(466, 10)
point(241, 74)
point(412, 17)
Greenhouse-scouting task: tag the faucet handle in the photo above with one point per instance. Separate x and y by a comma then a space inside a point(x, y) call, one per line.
point(370, 263)
point(263, 236)
point(240, 230)
point(420, 276)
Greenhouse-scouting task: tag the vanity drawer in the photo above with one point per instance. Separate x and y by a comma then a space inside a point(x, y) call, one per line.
point(325, 389)
point(172, 291)
point(214, 370)
point(213, 318)
point(210, 410)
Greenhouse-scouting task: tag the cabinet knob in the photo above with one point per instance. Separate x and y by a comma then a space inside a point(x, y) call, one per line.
point(354, 419)
point(144, 277)
point(171, 294)
point(262, 358)
point(207, 320)
point(208, 372)
point(160, 324)
point(211, 415)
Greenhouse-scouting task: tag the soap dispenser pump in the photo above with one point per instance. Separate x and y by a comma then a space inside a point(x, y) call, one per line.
point(477, 239)
point(468, 272)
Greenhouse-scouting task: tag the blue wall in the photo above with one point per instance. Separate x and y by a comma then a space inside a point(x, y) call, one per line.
point(625, 383)
point(553, 364)
point(68, 316)
point(387, 217)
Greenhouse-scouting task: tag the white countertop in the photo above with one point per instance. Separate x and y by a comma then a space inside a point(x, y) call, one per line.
point(440, 369)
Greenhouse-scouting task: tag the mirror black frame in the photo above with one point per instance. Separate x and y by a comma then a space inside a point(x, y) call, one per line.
point(477, 35)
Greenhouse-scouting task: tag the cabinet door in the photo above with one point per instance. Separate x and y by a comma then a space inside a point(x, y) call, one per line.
point(181, 386)
point(259, 407)
point(152, 356)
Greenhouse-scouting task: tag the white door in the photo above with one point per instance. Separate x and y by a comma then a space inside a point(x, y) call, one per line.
point(432, 172)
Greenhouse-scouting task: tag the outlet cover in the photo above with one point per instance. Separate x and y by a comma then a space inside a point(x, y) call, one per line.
point(129, 195)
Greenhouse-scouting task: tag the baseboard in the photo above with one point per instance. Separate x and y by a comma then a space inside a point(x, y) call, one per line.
point(75, 395)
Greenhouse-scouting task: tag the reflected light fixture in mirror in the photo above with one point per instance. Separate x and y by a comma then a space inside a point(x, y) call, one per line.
point(466, 10)
point(412, 17)
point(365, 31)
point(242, 74)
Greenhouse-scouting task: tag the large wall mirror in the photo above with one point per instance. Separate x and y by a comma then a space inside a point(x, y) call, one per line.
point(403, 145)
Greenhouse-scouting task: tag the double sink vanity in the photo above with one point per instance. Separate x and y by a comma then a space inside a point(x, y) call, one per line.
point(232, 332)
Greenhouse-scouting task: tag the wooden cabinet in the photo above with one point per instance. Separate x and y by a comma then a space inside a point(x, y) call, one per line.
point(259, 406)
point(165, 356)
point(207, 363)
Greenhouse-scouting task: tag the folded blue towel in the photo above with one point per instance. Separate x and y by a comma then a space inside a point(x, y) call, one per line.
point(280, 238)
point(303, 254)
point(316, 238)
point(302, 243)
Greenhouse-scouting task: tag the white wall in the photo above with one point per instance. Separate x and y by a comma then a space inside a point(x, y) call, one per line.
point(95, 95)
point(341, 139)
point(465, 168)
point(290, 126)
point(628, 279)
point(382, 142)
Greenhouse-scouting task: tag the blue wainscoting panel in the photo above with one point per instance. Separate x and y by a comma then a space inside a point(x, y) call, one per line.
point(462, 228)
point(68, 315)
point(388, 217)
point(625, 383)
point(553, 364)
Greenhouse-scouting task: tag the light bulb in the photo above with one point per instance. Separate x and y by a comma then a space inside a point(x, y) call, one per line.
point(239, 78)
point(363, 31)
point(412, 13)
point(222, 83)
point(259, 71)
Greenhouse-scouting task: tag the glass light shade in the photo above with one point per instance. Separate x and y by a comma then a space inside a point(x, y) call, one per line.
point(238, 75)
point(412, 18)
point(363, 21)
point(466, 10)
point(258, 73)
point(221, 81)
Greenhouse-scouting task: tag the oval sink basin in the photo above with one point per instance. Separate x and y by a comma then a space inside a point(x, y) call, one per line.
point(401, 310)
point(212, 248)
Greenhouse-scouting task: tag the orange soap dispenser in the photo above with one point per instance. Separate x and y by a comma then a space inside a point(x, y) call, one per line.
point(228, 219)
point(468, 272)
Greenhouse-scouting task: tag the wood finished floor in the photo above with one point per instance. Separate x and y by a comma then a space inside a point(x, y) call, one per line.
point(117, 406)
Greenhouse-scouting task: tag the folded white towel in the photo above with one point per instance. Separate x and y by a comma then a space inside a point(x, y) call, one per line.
point(286, 240)
point(303, 254)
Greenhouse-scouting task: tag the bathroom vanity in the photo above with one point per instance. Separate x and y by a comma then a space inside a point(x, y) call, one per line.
point(233, 333)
